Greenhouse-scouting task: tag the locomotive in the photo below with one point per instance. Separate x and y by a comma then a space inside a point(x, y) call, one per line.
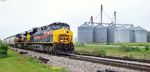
point(56, 38)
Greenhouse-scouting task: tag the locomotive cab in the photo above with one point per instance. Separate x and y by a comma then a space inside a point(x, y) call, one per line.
point(62, 39)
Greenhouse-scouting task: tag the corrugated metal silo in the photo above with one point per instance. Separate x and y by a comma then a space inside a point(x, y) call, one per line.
point(110, 33)
point(131, 33)
point(148, 36)
point(100, 33)
point(122, 34)
point(85, 33)
point(140, 35)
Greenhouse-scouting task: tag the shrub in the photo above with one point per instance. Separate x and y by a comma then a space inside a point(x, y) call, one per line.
point(3, 48)
point(126, 48)
point(135, 49)
point(146, 47)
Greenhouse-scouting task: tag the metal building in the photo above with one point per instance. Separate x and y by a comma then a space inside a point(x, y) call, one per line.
point(100, 33)
point(121, 34)
point(140, 35)
point(85, 33)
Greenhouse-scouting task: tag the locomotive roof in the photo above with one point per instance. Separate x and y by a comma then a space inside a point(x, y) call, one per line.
point(31, 31)
point(9, 37)
point(59, 23)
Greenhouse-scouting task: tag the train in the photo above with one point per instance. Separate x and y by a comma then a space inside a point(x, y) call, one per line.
point(55, 38)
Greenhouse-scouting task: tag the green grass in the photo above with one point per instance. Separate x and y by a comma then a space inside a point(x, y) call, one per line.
point(21, 63)
point(132, 44)
point(112, 50)
point(128, 44)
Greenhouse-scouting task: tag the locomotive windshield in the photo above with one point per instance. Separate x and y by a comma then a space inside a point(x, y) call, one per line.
point(56, 26)
point(67, 27)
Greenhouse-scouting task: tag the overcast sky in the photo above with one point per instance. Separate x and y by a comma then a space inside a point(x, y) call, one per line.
point(20, 15)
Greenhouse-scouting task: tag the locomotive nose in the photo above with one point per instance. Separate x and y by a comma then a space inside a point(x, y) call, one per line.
point(64, 38)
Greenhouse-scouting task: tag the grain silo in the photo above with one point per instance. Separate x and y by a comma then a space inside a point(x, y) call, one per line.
point(110, 33)
point(131, 29)
point(121, 34)
point(148, 36)
point(140, 35)
point(85, 33)
point(100, 33)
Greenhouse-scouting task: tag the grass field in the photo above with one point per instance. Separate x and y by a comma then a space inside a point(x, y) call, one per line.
point(121, 50)
point(128, 44)
point(133, 44)
point(21, 63)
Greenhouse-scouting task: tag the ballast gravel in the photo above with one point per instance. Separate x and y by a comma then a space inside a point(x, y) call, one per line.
point(72, 65)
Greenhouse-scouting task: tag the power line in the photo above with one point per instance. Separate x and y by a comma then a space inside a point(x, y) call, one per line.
point(108, 16)
point(97, 16)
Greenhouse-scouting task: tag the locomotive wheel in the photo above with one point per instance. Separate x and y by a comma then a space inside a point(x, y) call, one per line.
point(47, 49)
point(54, 51)
point(58, 49)
point(51, 50)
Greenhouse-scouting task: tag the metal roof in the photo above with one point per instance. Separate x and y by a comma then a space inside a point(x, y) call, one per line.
point(131, 28)
point(99, 26)
point(121, 27)
point(138, 28)
point(84, 25)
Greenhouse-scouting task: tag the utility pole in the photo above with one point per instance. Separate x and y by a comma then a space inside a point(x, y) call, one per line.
point(101, 17)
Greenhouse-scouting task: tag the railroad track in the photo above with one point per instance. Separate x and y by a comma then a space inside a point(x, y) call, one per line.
point(118, 58)
point(113, 62)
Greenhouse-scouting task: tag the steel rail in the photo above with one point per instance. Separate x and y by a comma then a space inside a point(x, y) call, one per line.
point(114, 62)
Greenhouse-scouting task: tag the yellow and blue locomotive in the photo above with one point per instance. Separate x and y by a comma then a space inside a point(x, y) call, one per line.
point(56, 38)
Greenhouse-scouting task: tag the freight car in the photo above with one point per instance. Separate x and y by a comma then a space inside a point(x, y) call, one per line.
point(56, 38)
point(10, 40)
